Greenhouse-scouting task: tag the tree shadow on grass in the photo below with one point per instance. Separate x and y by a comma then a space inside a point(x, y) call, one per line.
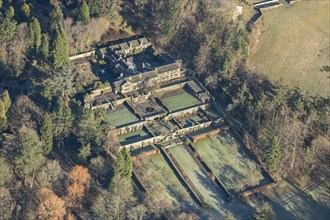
point(219, 201)
point(294, 203)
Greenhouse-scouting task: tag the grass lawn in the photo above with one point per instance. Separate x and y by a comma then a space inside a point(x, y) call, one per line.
point(199, 179)
point(228, 161)
point(133, 136)
point(120, 117)
point(159, 178)
point(295, 46)
point(179, 101)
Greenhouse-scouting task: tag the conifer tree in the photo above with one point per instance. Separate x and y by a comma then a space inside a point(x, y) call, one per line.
point(273, 155)
point(29, 157)
point(7, 25)
point(47, 134)
point(26, 10)
point(83, 12)
point(10, 12)
point(124, 164)
point(35, 36)
point(56, 16)
point(60, 50)
point(6, 100)
point(44, 48)
point(3, 118)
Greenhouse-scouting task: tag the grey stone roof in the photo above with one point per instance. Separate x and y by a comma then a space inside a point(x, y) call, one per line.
point(134, 43)
point(168, 67)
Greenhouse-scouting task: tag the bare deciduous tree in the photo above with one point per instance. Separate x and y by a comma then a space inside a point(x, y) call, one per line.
point(7, 203)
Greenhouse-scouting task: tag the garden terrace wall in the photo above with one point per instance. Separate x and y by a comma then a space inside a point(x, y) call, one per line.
point(265, 3)
point(145, 154)
point(187, 111)
point(259, 189)
point(197, 137)
point(138, 183)
point(123, 129)
point(155, 139)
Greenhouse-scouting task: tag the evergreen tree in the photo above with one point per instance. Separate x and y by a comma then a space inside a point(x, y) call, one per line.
point(47, 134)
point(35, 36)
point(124, 164)
point(84, 152)
point(83, 13)
point(56, 16)
point(3, 117)
point(62, 120)
point(174, 11)
point(26, 10)
point(106, 8)
point(60, 50)
point(6, 100)
point(7, 25)
point(44, 48)
point(29, 157)
point(10, 12)
point(273, 155)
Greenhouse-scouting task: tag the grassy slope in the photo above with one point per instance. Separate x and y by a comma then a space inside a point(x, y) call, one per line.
point(295, 46)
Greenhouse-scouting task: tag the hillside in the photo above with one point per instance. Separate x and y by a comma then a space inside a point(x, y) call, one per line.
point(294, 46)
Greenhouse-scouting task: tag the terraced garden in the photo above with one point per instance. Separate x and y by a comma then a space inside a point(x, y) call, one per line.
point(187, 122)
point(179, 101)
point(229, 162)
point(133, 136)
point(157, 177)
point(120, 117)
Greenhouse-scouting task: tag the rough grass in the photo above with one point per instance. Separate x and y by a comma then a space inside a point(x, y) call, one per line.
point(228, 161)
point(120, 117)
point(179, 101)
point(158, 177)
point(295, 46)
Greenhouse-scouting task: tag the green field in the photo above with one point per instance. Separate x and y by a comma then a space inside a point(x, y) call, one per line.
point(228, 161)
point(158, 177)
point(120, 117)
point(294, 46)
point(199, 178)
point(180, 101)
